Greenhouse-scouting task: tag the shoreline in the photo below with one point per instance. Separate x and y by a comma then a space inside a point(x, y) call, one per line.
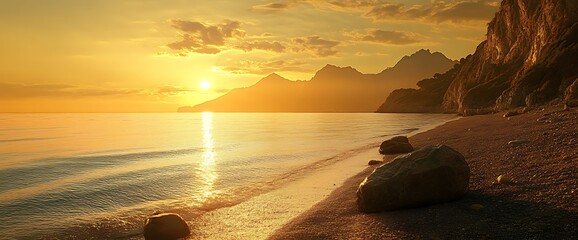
point(264, 214)
point(540, 203)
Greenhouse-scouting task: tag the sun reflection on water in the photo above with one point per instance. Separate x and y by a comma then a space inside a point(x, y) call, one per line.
point(207, 172)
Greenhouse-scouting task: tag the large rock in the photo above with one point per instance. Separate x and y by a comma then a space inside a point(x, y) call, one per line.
point(430, 175)
point(165, 226)
point(399, 144)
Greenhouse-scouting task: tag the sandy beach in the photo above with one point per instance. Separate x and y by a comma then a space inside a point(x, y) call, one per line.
point(539, 203)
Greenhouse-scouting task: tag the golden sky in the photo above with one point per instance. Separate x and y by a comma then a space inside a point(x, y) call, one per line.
point(152, 55)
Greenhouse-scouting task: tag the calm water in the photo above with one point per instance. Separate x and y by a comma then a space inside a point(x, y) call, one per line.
point(61, 172)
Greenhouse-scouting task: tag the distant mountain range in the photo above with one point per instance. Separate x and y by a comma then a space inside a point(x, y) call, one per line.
point(530, 57)
point(332, 89)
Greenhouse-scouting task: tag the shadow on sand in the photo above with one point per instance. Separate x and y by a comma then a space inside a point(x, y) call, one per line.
point(501, 217)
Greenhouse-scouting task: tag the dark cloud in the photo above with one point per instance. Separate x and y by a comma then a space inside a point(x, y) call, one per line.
point(315, 45)
point(273, 46)
point(396, 11)
point(438, 11)
point(390, 37)
point(352, 3)
point(10, 90)
point(466, 11)
point(272, 6)
point(263, 67)
point(204, 38)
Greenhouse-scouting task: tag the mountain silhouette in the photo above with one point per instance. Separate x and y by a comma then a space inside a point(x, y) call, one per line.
point(528, 59)
point(331, 89)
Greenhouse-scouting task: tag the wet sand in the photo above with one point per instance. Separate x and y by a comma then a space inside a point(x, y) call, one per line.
point(540, 203)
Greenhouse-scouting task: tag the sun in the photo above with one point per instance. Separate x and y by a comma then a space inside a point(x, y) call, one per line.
point(205, 84)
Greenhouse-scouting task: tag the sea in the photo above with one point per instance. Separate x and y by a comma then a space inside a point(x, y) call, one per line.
point(98, 175)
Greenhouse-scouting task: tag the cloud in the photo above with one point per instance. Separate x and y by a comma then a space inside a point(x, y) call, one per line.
point(315, 45)
point(273, 46)
point(466, 11)
point(20, 91)
point(263, 67)
point(350, 4)
point(197, 37)
point(388, 37)
point(173, 90)
point(11, 90)
point(272, 6)
point(438, 12)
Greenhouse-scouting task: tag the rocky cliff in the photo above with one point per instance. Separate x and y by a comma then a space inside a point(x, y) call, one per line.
point(529, 58)
point(332, 89)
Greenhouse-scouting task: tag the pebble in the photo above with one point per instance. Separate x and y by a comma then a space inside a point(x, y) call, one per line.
point(476, 206)
point(503, 179)
point(517, 142)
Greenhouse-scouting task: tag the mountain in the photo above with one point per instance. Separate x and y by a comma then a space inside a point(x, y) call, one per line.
point(528, 59)
point(332, 88)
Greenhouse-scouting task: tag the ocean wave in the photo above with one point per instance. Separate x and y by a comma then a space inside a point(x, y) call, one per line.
point(23, 140)
point(55, 169)
point(400, 132)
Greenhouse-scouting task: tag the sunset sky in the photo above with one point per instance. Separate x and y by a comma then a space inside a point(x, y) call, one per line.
point(157, 55)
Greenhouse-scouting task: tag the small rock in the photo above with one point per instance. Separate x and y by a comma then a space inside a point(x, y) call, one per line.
point(165, 226)
point(374, 162)
point(554, 120)
point(399, 144)
point(518, 142)
point(503, 179)
point(511, 114)
point(542, 119)
point(476, 206)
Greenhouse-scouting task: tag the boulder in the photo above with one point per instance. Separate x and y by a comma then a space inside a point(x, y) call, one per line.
point(432, 174)
point(165, 226)
point(399, 144)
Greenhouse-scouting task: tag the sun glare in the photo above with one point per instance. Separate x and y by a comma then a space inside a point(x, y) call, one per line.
point(205, 84)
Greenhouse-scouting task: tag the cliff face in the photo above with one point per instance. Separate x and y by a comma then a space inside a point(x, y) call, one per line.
point(332, 89)
point(528, 58)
